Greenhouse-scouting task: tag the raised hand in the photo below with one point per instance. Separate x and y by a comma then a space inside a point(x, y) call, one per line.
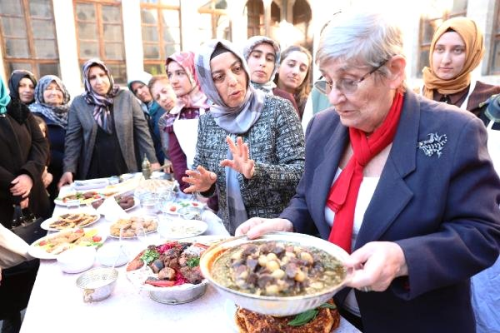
point(241, 161)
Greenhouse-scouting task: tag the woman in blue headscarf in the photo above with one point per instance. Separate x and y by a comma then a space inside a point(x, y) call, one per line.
point(105, 124)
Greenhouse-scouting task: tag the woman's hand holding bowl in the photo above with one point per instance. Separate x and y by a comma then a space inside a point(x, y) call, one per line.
point(376, 265)
point(257, 226)
point(241, 161)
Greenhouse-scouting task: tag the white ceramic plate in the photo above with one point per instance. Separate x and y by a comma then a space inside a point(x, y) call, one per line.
point(61, 202)
point(136, 204)
point(173, 208)
point(39, 252)
point(83, 185)
point(46, 224)
point(178, 228)
point(154, 218)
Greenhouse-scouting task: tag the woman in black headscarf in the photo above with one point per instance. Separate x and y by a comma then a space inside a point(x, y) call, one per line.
point(22, 84)
point(24, 151)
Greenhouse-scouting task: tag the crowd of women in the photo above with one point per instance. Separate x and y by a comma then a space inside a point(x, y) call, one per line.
point(403, 181)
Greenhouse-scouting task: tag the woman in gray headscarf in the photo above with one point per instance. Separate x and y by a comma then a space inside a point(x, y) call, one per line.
point(52, 105)
point(250, 145)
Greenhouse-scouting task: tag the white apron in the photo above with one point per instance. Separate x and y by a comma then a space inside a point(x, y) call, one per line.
point(471, 89)
point(186, 131)
point(494, 145)
point(466, 101)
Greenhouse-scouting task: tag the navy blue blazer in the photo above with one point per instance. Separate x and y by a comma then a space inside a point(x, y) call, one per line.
point(443, 210)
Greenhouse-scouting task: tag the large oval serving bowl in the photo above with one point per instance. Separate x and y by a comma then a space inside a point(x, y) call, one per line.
point(172, 295)
point(274, 305)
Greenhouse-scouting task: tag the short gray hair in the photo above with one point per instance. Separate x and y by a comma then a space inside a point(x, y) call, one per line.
point(360, 38)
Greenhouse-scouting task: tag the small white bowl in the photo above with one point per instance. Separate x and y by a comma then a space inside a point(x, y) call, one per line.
point(112, 254)
point(77, 259)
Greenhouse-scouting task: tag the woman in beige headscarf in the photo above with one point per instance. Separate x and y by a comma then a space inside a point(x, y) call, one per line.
point(456, 50)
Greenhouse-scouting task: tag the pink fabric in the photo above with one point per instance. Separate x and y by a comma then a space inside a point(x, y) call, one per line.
point(195, 98)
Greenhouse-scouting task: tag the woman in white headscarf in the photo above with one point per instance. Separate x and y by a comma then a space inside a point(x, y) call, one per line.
point(250, 146)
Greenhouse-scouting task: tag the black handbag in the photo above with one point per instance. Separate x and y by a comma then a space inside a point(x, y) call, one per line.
point(26, 225)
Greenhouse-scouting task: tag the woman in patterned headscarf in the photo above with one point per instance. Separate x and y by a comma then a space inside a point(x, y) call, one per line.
point(105, 123)
point(250, 148)
point(457, 48)
point(182, 120)
point(52, 105)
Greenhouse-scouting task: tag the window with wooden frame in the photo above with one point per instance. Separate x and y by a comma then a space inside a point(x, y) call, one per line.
point(161, 32)
point(214, 20)
point(99, 30)
point(255, 16)
point(430, 22)
point(28, 37)
point(494, 68)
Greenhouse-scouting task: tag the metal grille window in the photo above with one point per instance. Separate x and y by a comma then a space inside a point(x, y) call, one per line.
point(161, 32)
point(99, 30)
point(28, 37)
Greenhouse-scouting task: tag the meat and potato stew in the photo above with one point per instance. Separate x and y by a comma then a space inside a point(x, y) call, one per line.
point(277, 269)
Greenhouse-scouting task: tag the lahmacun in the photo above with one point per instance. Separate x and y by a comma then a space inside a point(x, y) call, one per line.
point(67, 221)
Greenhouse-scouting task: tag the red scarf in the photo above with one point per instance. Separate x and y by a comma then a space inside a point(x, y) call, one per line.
point(344, 192)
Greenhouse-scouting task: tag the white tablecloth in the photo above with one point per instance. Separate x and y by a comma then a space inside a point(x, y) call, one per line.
point(56, 304)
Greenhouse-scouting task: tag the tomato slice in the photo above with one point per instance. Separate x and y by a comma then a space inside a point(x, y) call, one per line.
point(160, 283)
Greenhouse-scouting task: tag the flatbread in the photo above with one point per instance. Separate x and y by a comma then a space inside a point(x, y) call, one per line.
point(247, 321)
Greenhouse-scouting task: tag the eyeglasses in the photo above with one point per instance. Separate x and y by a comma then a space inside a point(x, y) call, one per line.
point(346, 86)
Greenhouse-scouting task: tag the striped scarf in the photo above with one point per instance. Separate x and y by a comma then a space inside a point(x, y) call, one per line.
point(102, 103)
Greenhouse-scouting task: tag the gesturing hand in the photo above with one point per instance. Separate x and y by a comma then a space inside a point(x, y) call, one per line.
point(200, 180)
point(241, 161)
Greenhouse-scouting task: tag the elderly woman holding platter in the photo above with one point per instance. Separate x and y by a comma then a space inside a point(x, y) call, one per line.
point(403, 183)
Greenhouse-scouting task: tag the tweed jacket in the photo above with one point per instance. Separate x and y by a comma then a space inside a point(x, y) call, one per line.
point(131, 128)
point(276, 145)
point(442, 209)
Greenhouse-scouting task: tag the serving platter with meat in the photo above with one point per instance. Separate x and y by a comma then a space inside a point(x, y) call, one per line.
point(125, 201)
point(170, 271)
